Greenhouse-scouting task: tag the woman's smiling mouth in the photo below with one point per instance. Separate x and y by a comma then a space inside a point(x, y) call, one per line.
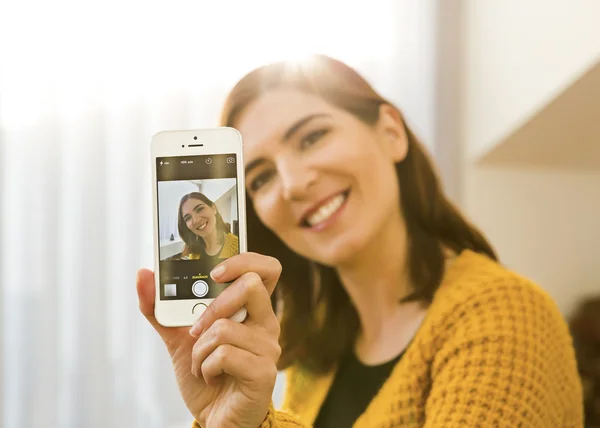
point(320, 216)
point(202, 226)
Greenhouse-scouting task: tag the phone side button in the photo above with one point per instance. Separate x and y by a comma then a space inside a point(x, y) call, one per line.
point(198, 309)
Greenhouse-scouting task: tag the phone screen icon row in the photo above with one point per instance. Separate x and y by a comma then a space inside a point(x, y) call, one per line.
point(199, 288)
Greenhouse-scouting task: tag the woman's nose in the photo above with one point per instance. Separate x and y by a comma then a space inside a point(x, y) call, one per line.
point(297, 180)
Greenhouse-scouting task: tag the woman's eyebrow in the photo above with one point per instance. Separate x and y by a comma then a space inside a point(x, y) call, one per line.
point(287, 136)
point(194, 209)
point(300, 123)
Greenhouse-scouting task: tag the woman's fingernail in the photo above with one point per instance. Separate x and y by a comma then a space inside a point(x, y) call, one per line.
point(195, 330)
point(217, 272)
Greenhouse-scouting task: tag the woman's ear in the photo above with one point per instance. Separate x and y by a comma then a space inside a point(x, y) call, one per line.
point(391, 128)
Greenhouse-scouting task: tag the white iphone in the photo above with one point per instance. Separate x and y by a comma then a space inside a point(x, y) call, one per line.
point(199, 218)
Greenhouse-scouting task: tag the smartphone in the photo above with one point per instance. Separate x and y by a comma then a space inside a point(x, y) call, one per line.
point(199, 218)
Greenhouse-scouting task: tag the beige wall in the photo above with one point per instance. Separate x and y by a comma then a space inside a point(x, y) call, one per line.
point(518, 55)
point(517, 58)
point(545, 224)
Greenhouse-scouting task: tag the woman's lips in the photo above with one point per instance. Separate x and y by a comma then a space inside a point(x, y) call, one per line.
point(202, 226)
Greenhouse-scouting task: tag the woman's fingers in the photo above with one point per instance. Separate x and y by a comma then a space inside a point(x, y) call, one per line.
point(267, 268)
point(240, 364)
point(146, 293)
point(174, 338)
point(227, 332)
point(247, 291)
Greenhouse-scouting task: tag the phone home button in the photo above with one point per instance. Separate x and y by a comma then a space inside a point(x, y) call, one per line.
point(199, 308)
point(200, 288)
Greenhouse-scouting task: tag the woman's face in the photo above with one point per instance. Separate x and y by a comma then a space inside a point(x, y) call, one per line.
point(199, 217)
point(320, 178)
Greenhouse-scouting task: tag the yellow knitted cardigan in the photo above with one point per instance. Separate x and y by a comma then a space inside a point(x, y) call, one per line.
point(493, 351)
point(231, 247)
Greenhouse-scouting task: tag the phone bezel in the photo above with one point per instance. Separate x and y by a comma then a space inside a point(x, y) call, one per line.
point(178, 313)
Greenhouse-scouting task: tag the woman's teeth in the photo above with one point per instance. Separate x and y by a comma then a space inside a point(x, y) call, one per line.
point(202, 226)
point(326, 210)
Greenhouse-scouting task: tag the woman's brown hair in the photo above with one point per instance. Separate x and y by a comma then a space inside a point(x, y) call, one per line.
point(193, 245)
point(318, 321)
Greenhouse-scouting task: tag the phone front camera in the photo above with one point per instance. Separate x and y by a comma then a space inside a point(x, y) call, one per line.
point(183, 145)
point(195, 138)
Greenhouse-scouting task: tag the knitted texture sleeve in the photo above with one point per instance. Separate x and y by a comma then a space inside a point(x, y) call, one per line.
point(274, 419)
point(505, 359)
point(281, 419)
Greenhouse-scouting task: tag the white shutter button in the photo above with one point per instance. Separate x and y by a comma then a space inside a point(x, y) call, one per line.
point(200, 288)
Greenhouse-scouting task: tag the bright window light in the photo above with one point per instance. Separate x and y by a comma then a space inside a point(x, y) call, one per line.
point(71, 51)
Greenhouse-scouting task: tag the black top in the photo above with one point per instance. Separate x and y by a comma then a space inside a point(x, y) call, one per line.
point(353, 388)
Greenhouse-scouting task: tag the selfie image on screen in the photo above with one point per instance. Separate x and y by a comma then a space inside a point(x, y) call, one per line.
point(197, 222)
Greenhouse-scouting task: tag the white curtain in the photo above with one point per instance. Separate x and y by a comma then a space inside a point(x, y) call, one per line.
point(83, 87)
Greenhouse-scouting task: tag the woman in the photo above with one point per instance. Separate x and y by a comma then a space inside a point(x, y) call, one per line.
point(391, 306)
point(203, 230)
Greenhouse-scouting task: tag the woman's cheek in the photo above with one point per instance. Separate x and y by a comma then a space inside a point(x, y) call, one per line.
point(269, 211)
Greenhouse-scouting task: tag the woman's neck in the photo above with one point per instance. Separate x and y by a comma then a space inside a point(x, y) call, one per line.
point(212, 244)
point(376, 279)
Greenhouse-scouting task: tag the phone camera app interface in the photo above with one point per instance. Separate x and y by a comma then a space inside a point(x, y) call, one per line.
point(197, 222)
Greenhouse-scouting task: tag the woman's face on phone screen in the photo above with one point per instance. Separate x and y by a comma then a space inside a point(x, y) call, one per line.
point(199, 217)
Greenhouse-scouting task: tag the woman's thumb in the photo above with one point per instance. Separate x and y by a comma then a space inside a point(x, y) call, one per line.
point(146, 294)
point(146, 291)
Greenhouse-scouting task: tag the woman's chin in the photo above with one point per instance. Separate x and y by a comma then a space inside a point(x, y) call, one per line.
point(209, 231)
point(338, 254)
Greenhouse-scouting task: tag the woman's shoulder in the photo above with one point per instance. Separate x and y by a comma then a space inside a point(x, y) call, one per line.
point(231, 246)
point(232, 243)
point(487, 323)
point(231, 238)
point(479, 293)
point(474, 277)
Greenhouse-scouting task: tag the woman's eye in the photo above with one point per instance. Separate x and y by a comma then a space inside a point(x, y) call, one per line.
point(260, 180)
point(199, 209)
point(312, 138)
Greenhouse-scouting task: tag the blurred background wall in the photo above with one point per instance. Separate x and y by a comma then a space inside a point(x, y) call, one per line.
point(531, 135)
point(505, 94)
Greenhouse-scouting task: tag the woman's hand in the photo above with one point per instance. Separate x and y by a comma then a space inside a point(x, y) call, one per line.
point(226, 370)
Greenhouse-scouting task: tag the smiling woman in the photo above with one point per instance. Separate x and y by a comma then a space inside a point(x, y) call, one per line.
point(203, 230)
point(393, 308)
point(387, 289)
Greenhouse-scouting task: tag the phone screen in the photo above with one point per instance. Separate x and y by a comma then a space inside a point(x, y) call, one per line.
point(197, 222)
